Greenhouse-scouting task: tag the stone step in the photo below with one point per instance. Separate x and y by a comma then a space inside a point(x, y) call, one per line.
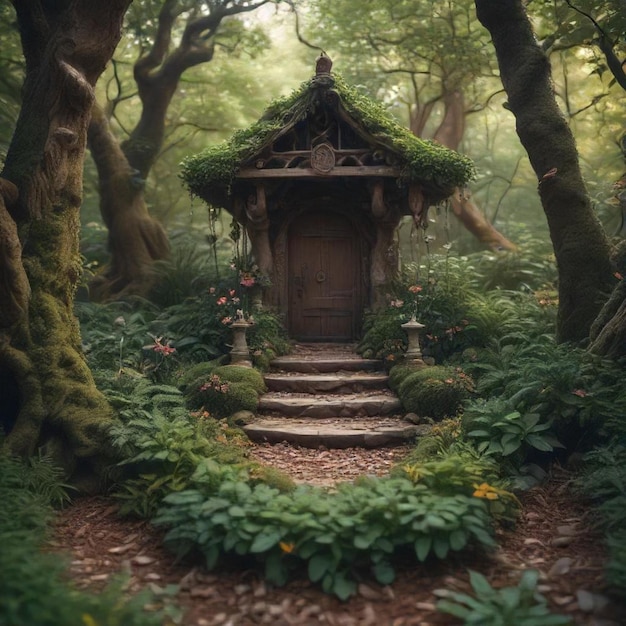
point(329, 405)
point(324, 364)
point(340, 382)
point(369, 432)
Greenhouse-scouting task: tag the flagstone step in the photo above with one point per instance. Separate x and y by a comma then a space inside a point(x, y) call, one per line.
point(324, 364)
point(366, 432)
point(340, 382)
point(329, 405)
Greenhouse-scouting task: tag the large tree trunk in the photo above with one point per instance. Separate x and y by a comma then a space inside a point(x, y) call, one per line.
point(450, 134)
point(48, 396)
point(580, 245)
point(136, 240)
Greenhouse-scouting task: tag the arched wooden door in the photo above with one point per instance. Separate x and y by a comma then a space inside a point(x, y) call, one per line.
point(324, 269)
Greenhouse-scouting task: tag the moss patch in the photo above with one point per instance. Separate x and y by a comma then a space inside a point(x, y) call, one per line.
point(210, 173)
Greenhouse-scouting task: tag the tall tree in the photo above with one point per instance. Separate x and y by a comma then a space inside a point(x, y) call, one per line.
point(47, 393)
point(580, 245)
point(436, 51)
point(136, 239)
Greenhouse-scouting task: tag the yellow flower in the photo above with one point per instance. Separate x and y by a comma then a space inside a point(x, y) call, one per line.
point(286, 547)
point(486, 491)
point(88, 620)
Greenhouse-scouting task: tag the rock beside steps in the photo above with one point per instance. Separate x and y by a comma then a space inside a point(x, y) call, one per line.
point(328, 396)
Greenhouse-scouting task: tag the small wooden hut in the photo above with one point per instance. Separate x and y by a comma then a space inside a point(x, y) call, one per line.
point(320, 184)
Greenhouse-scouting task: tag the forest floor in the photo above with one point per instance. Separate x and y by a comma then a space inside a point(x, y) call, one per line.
point(554, 535)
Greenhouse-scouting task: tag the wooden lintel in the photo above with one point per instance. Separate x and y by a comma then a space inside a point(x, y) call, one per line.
point(297, 172)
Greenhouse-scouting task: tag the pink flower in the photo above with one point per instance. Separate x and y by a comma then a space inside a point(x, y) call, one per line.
point(164, 349)
point(246, 280)
point(415, 288)
point(227, 320)
point(231, 292)
point(222, 300)
point(581, 393)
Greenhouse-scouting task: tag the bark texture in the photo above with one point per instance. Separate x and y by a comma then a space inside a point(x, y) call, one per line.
point(136, 239)
point(48, 396)
point(450, 134)
point(580, 245)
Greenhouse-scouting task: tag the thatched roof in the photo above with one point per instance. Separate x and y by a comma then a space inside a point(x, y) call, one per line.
point(438, 170)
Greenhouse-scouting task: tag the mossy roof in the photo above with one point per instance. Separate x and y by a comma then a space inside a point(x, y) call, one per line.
point(439, 170)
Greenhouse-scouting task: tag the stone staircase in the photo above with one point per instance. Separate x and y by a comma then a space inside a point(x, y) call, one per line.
point(326, 395)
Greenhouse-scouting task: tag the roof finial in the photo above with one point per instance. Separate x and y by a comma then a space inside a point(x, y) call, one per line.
point(323, 64)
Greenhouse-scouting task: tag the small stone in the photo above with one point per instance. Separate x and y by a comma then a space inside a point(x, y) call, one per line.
point(563, 600)
point(368, 593)
point(567, 531)
point(562, 566)
point(241, 589)
point(275, 610)
point(561, 542)
point(202, 592)
point(153, 576)
point(425, 606)
point(585, 600)
point(143, 559)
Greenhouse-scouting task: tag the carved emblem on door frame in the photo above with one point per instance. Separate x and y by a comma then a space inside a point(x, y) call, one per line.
point(323, 158)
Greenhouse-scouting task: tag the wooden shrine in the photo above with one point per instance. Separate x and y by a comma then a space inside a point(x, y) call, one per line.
point(320, 184)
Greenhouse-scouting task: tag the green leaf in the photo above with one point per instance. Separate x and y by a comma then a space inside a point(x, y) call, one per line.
point(458, 539)
point(384, 573)
point(480, 584)
point(538, 442)
point(342, 587)
point(265, 540)
point(422, 547)
point(441, 547)
point(276, 571)
point(319, 565)
point(452, 608)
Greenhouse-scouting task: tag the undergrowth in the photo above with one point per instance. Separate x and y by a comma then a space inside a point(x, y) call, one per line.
point(34, 589)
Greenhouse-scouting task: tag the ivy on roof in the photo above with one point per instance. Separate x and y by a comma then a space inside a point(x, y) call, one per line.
point(422, 161)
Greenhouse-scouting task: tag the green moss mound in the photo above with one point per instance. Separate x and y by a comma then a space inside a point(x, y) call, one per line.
point(435, 392)
point(399, 372)
point(197, 371)
point(239, 374)
point(221, 398)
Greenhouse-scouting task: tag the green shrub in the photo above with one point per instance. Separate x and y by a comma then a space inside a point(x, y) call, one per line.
point(522, 605)
point(603, 481)
point(33, 584)
point(435, 392)
point(267, 338)
point(221, 398)
point(498, 430)
point(334, 535)
point(399, 372)
point(196, 371)
point(239, 374)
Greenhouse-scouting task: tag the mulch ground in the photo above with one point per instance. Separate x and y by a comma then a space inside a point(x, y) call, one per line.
point(554, 535)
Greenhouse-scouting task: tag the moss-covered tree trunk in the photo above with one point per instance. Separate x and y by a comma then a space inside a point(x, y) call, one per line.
point(48, 396)
point(580, 246)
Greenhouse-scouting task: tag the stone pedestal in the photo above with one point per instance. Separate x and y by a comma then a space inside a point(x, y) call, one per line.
point(240, 354)
point(413, 353)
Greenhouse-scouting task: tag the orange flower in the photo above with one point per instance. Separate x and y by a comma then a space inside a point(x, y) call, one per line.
point(287, 547)
point(486, 491)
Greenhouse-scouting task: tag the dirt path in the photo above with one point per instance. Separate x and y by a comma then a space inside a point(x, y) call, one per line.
point(553, 536)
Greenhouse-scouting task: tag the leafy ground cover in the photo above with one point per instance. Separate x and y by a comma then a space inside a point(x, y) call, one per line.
point(554, 536)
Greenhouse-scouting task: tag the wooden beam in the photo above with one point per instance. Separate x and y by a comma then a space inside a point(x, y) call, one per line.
point(296, 172)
